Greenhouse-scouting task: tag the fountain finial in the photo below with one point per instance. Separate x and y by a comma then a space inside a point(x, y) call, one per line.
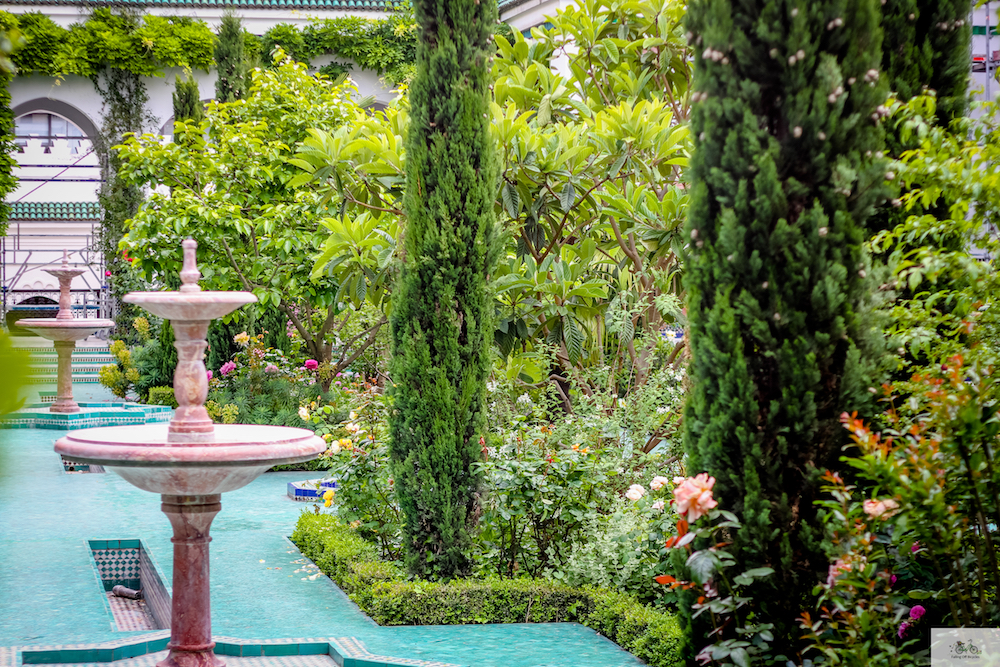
point(65, 262)
point(190, 273)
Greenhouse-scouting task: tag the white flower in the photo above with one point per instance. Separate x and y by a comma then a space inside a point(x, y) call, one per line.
point(335, 448)
point(635, 492)
point(658, 483)
point(354, 415)
point(352, 428)
point(658, 505)
point(304, 413)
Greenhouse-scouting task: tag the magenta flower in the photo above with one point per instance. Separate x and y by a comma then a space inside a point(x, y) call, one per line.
point(892, 581)
point(917, 612)
point(107, 274)
point(312, 364)
point(227, 368)
point(915, 547)
point(903, 627)
point(209, 374)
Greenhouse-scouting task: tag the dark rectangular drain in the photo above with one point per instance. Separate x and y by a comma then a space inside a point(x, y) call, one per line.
point(127, 563)
point(74, 467)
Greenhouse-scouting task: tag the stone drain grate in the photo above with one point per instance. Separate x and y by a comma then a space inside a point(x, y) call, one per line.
point(76, 468)
point(130, 615)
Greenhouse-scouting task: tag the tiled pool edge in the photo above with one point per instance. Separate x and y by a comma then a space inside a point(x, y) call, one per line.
point(345, 651)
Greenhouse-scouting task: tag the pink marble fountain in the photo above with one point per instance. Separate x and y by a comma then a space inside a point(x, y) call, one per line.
point(64, 330)
point(190, 461)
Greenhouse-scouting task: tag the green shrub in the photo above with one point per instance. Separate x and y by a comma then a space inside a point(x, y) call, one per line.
point(379, 589)
point(162, 396)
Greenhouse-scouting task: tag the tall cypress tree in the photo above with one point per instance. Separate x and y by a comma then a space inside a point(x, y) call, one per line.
point(187, 100)
point(787, 94)
point(230, 60)
point(926, 43)
point(441, 318)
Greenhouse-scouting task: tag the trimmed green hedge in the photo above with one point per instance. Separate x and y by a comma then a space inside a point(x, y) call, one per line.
point(379, 588)
point(162, 396)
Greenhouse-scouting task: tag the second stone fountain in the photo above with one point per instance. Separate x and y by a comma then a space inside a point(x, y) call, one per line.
point(190, 462)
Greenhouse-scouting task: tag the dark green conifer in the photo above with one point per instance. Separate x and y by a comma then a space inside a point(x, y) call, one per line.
point(187, 100)
point(441, 317)
point(926, 44)
point(785, 118)
point(230, 61)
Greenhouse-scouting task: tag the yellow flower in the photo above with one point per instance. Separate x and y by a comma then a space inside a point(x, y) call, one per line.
point(328, 503)
point(327, 437)
point(328, 496)
point(576, 448)
point(242, 339)
point(585, 450)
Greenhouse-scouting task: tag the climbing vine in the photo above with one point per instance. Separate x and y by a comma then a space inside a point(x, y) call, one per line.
point(387, 46)
point(9, 37)
point(143, 45)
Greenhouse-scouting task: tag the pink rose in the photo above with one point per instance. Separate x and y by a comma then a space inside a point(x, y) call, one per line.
point(227, 368)
point(635, 492)
point(903, 627)
point(915, 547)
point(107, 274)
point(836, 569)
point(693, 496)
point(917, 612)
point(881, 509)
point(209, 374)
point(311, 364)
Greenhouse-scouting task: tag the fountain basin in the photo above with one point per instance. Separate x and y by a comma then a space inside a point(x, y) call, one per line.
point(64, 330)
point(193, 306)
point(143, 455)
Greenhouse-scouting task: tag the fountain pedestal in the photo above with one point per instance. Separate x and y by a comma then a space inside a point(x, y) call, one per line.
point(64, 376)
point(191, 642)
point(64, 330)
point(192, 461)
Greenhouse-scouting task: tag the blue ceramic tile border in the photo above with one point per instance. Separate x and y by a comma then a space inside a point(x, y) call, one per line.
point(345, 651)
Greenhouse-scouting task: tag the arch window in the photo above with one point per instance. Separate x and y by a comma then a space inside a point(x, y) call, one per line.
point(52, 133)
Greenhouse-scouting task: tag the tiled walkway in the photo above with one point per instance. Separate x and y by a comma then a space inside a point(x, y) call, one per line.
point(50, 593)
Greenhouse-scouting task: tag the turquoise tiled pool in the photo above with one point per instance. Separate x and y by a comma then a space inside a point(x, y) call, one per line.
point(49, 594)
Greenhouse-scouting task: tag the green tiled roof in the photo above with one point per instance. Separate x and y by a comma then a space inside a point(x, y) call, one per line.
point(50, 210)
point(358, 5)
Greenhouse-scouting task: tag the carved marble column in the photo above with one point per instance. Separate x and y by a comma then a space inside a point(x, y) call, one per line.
point(191, 642)
point(64, 375)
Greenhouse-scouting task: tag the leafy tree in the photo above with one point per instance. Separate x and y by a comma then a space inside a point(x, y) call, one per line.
point(925, 47)
point(187, 100)
point(787, 92)
point(589, 190)
point(230, 60)
point(232, 189)
point(441, 322)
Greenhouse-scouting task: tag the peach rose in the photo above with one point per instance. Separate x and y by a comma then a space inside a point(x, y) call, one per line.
point(693, 496)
